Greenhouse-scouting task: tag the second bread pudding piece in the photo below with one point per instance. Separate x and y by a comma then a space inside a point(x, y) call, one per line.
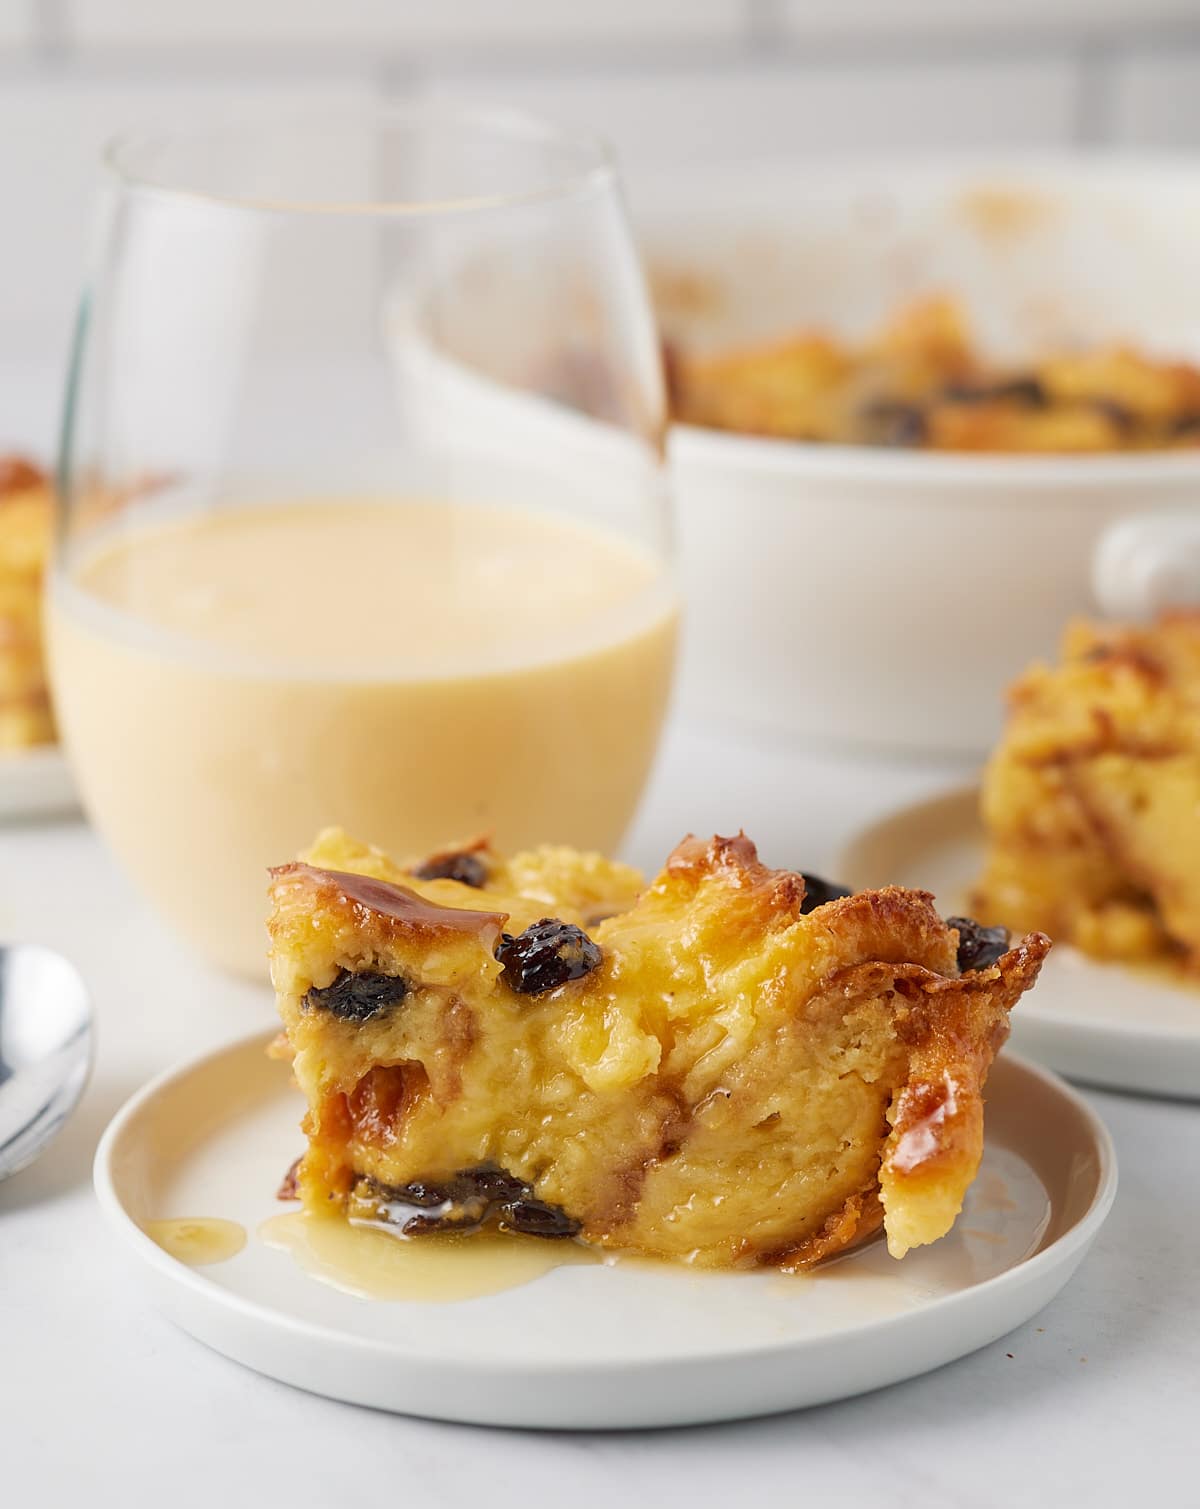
point(1092, 800)
point(25, 527)
point(723, 1072)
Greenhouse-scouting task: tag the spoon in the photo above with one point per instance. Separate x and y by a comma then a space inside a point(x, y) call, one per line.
point(45, 1049)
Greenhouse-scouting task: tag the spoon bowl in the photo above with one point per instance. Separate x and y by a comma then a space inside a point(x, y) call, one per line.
point(46, 1040)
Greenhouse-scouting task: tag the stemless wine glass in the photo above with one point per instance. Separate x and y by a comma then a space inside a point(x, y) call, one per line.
point(364, 517)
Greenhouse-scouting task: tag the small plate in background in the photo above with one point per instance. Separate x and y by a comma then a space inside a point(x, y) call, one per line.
point(1118, 1025)
point(594, 1346)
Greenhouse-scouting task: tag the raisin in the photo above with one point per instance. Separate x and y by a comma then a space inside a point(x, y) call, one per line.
point(423, 1194)
point(357, 997)
point(289, 1187)
point(1117, 414)
point(535, 1218)
point(547, 954)
point(817, 892)
point(493, 1182)
point(464, 1215)
point(978, 946)
point(411, 1208)
point(467, 869)
point(1027, 391)
point(891, 421)
point(463, 1203)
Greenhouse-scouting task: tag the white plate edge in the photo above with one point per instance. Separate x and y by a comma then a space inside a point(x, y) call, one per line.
point(1072, 1244)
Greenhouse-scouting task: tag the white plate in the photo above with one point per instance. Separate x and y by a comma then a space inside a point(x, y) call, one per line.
point(36, 783)
point(597, 1346)
point(1108, 1024)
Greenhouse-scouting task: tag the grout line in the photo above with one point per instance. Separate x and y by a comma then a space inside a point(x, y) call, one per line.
point(754, 51)
point(764, 40)
point(614, 57)
point(49, 29)
point(765, 35)
point(951, 45)
point(1094, 121)
point(397, 77)
point(163, 64)
point(399, 67)
point(402, 69)
point(764, 23)
point(1128, 37)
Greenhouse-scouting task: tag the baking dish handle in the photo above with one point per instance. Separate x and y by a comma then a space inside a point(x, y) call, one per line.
point(1147, 562)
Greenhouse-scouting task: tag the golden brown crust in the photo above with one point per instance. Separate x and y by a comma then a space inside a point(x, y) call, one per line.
point(937, 1119)
point(936, 1116)
point(735, 860)
point(855, 1223)
point(694, 856)
point(19, 474)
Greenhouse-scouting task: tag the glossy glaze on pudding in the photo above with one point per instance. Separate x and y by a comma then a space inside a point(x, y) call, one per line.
point(713, 1069)
point(920, 383)
point(1092, 800)
point(25, 524)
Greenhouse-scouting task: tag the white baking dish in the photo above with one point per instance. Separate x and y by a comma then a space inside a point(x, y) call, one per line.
point(886, 598)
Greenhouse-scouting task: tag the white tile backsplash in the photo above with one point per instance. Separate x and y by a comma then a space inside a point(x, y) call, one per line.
point(925, 19)
point(398, 23)
point(1155, 99)
point(661, 118)
point(672, 82)
point(51, 134)
point(18, 20)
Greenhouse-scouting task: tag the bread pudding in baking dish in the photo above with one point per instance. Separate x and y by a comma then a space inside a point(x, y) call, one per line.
point(25, 522)
point(727, 1066)
point(921, 383)
point(1092, 800)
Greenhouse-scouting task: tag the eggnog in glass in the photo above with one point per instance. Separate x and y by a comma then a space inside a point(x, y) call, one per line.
point(364, 517)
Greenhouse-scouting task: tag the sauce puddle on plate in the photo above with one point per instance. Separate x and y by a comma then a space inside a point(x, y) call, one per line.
point(432, 1269)
point(197, 1240)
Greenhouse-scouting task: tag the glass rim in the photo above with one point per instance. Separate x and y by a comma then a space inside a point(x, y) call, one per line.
point(597, 167)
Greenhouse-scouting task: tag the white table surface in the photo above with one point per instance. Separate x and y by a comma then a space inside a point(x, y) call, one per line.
point(103, 1402)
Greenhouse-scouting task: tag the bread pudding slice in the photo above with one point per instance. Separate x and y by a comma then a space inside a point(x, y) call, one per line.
point(719, 1070)
point(1092, 800)
point(25, 518)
